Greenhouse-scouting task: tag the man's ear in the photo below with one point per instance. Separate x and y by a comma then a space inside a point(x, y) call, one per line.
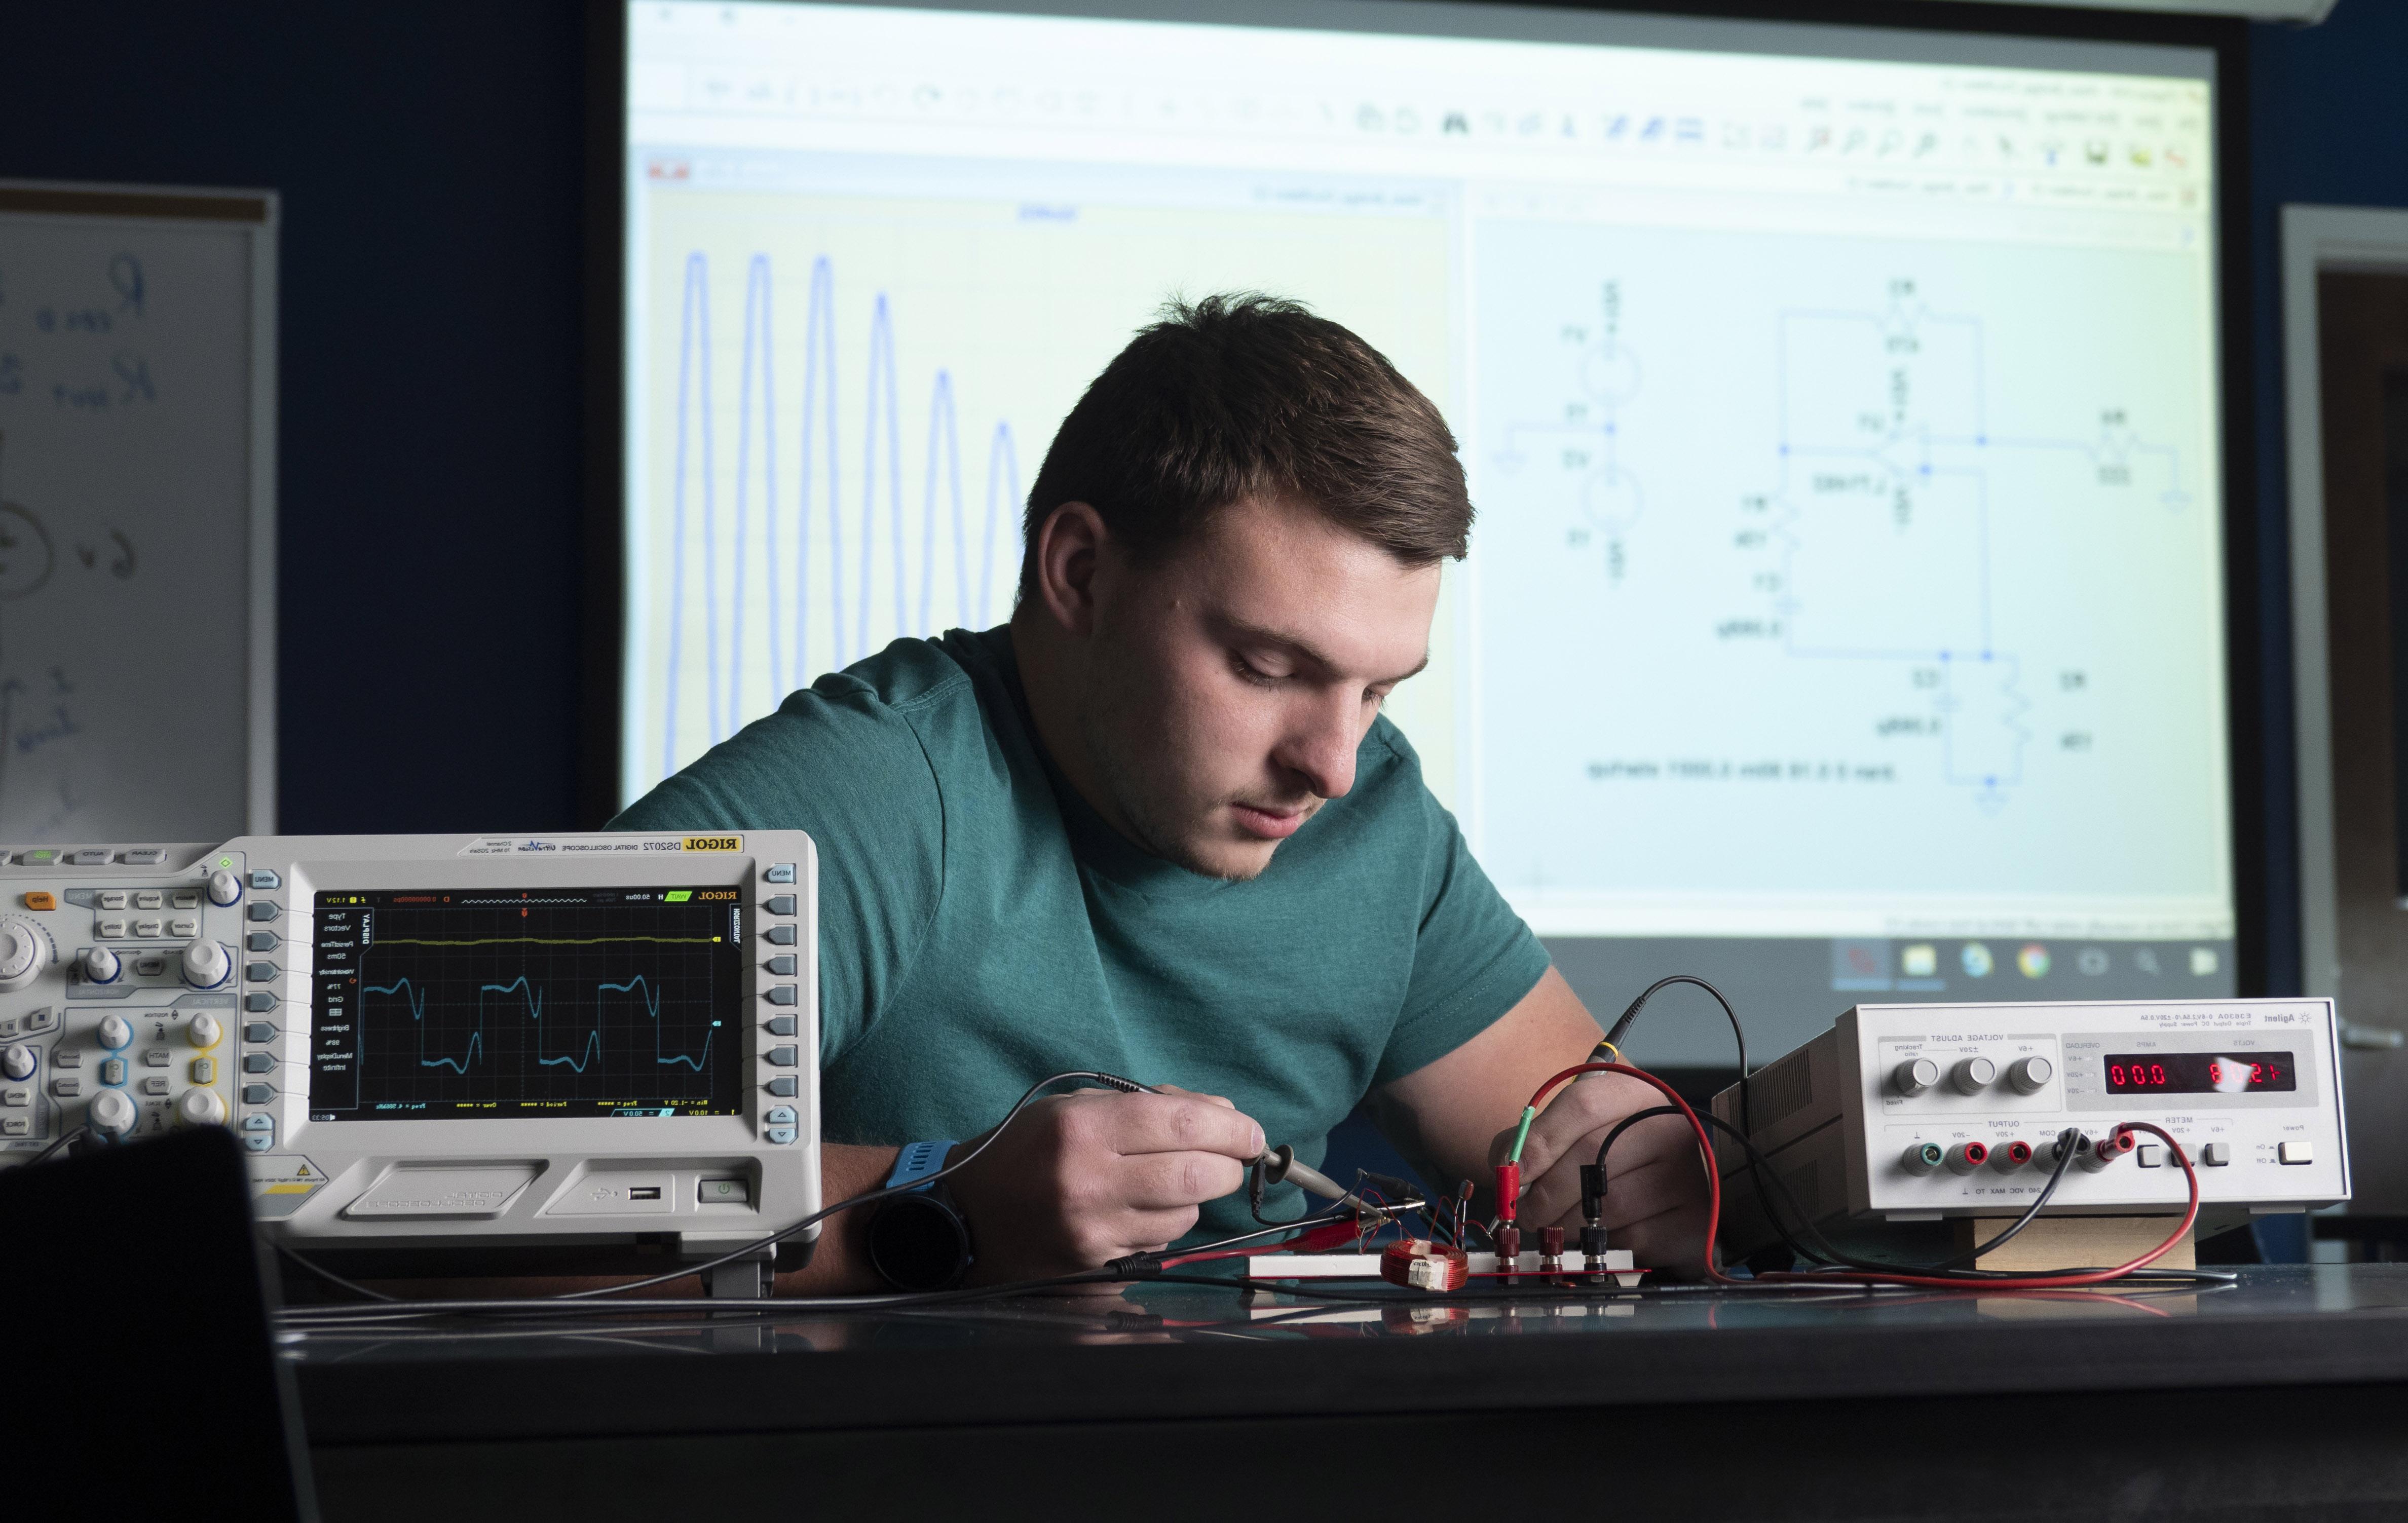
point(1069, 546)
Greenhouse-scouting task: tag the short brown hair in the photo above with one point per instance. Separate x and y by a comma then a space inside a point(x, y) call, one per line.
point(1243, 395)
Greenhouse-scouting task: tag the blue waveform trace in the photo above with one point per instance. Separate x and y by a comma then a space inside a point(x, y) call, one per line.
point(416, 999)
point(848, 582)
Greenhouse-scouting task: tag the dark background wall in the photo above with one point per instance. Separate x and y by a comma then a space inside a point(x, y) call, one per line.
point(430, 157)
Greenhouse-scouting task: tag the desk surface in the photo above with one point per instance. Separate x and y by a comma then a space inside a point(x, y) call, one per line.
point(1160, 1351)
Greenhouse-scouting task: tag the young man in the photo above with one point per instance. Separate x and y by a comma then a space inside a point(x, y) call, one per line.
point(1156, 826)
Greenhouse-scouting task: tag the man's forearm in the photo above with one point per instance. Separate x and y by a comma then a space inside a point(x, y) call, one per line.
point(839, 1266)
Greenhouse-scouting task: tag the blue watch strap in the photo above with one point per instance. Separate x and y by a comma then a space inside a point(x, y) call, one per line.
point(918, 1161)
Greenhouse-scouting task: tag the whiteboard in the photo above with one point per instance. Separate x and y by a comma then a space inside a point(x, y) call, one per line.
point(138, 468)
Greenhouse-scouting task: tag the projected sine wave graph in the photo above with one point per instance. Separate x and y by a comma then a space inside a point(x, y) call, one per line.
point(795, 574)
point(574, 1003)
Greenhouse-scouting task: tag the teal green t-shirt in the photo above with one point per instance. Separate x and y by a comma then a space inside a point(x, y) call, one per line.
point(981, 926)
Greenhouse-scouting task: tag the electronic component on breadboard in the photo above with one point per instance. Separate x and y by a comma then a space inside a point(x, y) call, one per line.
point(1478, 1267)
point(1920, 1112)
point(436, 1042)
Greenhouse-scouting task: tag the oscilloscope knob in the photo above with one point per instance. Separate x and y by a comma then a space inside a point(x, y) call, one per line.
point(205, 1030)
point(113, 1111)
point(201, 1108)
point(99, 965)
point(21, 953)
point(224, 888)
point(17, 1062)
point(207, 964)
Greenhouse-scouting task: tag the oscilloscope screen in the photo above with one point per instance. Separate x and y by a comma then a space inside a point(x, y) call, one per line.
point(465, 1004)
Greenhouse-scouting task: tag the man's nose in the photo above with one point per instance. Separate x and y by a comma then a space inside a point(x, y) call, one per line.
point(1322, 745)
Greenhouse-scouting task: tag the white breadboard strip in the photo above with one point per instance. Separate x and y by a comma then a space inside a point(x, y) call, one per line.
point(1358, 1266)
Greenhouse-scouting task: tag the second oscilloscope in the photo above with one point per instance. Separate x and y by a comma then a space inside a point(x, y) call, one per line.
point(601, 1044)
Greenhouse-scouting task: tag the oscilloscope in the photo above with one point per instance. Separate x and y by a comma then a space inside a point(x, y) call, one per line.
point(505, 1042)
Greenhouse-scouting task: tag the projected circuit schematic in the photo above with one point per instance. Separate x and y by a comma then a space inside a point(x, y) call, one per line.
point(1580, 452)
point(1877, 541)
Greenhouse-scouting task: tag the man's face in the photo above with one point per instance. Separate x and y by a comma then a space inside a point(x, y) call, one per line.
point(1230, 683)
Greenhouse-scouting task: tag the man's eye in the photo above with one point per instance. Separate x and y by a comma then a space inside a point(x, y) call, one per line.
point(1251, 673)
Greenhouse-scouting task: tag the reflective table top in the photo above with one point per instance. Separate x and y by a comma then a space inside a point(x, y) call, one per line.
point(1184, 1349)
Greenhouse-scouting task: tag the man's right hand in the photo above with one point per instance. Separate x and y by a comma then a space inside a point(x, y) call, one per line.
point(1080, 1179)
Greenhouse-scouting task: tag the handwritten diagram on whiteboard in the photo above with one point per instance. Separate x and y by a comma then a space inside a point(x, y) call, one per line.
point(136, 372)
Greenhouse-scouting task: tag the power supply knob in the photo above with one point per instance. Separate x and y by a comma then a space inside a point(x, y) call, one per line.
point(98, 965)
point(205, 1031)
point(114, 1032)
point(17, 1061)
point(112, 1111)
point(201, 1108)
point(2030, 1076)
point(1915, 1076)
point(207, 964)
point(224, 888)
point(21, 953)
point(1971, 1075)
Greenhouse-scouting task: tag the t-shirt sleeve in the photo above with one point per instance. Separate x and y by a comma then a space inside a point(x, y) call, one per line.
point(1473, 958)
point(836, 762)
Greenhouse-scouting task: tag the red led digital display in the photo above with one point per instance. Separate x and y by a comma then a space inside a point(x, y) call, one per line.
point(2200, 1073)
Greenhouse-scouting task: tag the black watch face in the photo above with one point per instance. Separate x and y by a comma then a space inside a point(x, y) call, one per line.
point(919, 1242)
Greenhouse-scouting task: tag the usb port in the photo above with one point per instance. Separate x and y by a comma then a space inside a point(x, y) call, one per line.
point(644, 1192)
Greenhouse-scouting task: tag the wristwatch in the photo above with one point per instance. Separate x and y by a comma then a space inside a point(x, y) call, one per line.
point(918, 1239)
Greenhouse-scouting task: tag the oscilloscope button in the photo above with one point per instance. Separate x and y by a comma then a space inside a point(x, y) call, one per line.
point(262, 909)
point(258, 1094)
point(782, 994)
point(780, 1116)
point(780, 1136)
point(143, 856)
point(260, 973)
point(783, 964)
point(207, 964)
point(259, 1141)
point(224, 888)
point(149, 899)
point(111, 898)
point(186, 925)
point(781, 936)
point(781, 1057)
point(89, 857)
point(779, 872)
point(257, 1000)
point(781, 1026)
point(264, 878)
point(41, 1020)
point(157, 1085)
point(258, 1062)
point(782, 1086)
point(112, 1072)
point(113, 1111)
point(258, 940)
point(259, 1123)
point(258, 1031)
point(779, 903)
